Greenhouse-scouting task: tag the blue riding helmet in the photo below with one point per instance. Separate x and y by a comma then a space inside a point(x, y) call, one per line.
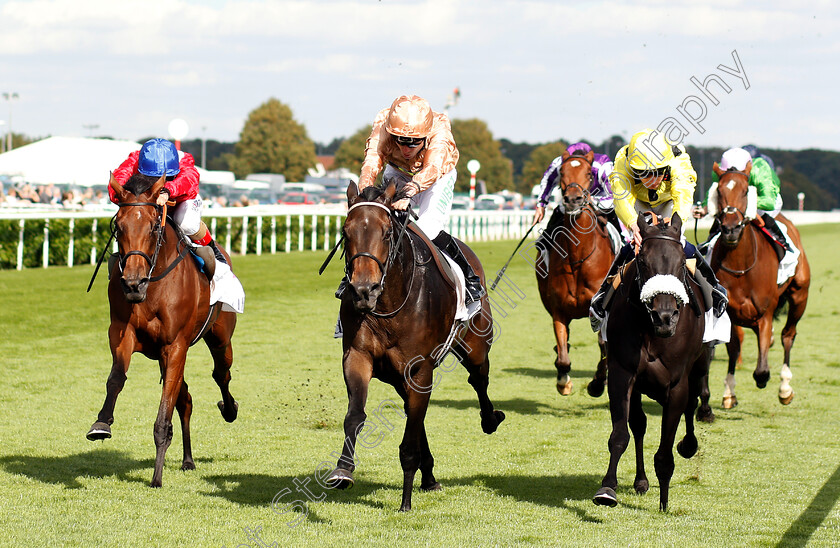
point(158, 156)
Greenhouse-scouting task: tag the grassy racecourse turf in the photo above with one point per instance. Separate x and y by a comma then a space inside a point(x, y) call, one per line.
point(764, 475)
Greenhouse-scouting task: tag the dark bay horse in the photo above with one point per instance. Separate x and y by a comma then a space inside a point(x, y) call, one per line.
point(746, 264)
point(159, 307)
point(579, 256)
point(397, 314)
point(654, 347)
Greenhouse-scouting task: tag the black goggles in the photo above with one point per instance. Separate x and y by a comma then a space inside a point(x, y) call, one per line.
point(410, 142)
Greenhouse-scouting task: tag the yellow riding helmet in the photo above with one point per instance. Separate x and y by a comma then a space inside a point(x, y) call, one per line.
point(410, 116)
point(648, 150)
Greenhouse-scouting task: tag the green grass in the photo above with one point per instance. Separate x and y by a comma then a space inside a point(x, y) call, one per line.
point(764, 475)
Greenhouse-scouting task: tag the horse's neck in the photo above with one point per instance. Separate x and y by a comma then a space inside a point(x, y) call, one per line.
point(579, 234)
point(743, 254)
point(398, 277)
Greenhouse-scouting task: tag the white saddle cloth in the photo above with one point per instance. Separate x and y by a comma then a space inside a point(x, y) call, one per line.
point(227, 288)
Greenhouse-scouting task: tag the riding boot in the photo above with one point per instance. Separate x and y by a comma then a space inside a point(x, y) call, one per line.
point(218, 252)
point(710, 286)
point(773, 227)
point(448, 245)
point(713, 231)
point(597, 310)
point(613, 219)
point(209, 257)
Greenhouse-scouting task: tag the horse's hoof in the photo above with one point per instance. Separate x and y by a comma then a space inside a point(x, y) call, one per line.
point(687, 447)
point(340, 479)
point(433, 487)
point(99, 431)
point(786, 400)
point(641, 486)
point(490, 423)
point(605, 497)
point(761, 379)
point(232, 416)
point(564, 389)
point(595, 388)
point(730, 402)
point(705, 414)
point(188, 465)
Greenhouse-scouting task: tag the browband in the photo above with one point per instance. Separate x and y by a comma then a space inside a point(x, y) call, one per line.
point(377, 204)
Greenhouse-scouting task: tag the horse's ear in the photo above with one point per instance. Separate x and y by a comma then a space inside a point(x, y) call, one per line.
point(158, 186)
point(716, 168)
point(119, 191)
point(352, 193)
point(390, 191)
point(590, 156)
point(642, 223)
point(748, 168)
point(565, 155)
point(676, 222)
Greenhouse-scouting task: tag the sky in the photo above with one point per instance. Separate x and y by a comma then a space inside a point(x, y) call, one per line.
point(534, 70)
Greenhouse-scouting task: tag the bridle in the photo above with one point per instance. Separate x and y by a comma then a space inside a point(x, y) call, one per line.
point(393, 250)
point(585, 191)
point(157, 232)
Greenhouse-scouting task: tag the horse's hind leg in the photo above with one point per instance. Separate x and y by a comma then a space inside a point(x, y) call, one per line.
point(472, 352)
point(638, 425)
point(595, 388)
point(427, 464)
point(796, 308)
point(221, 349)
point(173, 365)
point(184, 407)
point(563, 363)
point(122, 347)
point(733, 349)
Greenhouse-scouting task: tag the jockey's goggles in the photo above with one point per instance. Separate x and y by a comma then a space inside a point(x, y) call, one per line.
point(410, 142)
point(651, 178)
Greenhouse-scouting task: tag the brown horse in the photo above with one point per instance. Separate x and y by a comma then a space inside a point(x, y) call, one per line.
point(159, 307)
point(579, 256)
point(747, 265)
point(654, 347)
point(397, 332)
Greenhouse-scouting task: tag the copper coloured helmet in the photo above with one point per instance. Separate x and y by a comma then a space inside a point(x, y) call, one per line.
point(410, 116)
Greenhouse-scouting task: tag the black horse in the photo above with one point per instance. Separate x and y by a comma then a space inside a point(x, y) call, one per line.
point(654, 347)
point(398, 314)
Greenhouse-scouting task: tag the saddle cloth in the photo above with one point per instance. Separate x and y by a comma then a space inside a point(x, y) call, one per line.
point(226, 288)
point(788, 264)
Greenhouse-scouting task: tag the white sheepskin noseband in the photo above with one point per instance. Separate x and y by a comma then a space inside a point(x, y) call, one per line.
point(664, 283)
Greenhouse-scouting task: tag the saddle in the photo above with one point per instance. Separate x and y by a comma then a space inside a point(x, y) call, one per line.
point(437, 255)
point(779, 247)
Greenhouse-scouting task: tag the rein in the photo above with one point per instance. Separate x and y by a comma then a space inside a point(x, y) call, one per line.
point(755, 259)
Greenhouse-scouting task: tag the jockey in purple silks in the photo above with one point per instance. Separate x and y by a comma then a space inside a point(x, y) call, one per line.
point(599, 189)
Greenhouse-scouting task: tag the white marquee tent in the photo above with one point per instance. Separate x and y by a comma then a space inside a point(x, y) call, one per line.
point(79, 161)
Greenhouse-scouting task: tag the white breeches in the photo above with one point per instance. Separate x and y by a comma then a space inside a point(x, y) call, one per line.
point(433, 204)
point(188, 215)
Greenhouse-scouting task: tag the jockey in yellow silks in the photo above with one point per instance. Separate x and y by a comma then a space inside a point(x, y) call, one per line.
point(651, 175)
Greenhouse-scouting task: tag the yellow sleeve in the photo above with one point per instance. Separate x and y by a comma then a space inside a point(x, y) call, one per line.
point(683, 182)
point(621, 181)
point(373, 161)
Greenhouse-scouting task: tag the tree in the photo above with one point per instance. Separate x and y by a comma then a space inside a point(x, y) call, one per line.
point(537, 163)
point(475, 141)
point(351, 152)
point(273, 142)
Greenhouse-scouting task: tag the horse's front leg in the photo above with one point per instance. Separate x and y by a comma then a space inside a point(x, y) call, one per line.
point(638, 425)
point(358, 370)
point(172, 360)
point(765, 340)
point(563, 363)
point(619, 387)
point(123, 342)
point(663, 459)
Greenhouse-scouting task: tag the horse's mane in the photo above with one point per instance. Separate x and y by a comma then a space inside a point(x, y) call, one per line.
point(139, 183)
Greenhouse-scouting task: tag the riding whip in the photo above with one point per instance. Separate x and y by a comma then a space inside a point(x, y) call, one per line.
point(502, 271)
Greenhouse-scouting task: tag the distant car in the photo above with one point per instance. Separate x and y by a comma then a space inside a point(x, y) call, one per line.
point(297, 198)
